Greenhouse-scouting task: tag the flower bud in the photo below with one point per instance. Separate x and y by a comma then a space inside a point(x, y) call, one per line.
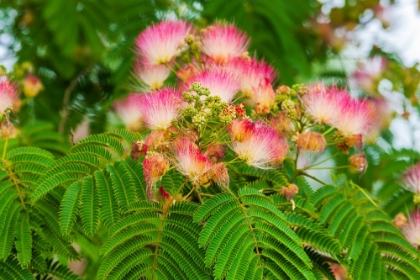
point(156, 139)
point(154, 168)
point(280, 123)
point(311, 141)
point(359, 162)
point(290, 191)
point(32, 85)
point(216, 151)
point(241, 130)
point(220, 175)
point(7, 130)
point(400, 220)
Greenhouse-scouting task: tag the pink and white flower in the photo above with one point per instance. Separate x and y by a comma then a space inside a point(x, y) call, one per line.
point(219, 82)
point(252, 74)
point(411, 179)
point(153, 76)
point(323, 104)
point(264, 98)
point(262, 148)
point(190, 161)
point(367, 74)
point(412, 228)
point(127, 109)
point(355, 117)
point(222, 42)
point(160, 108)
point(161, 42)
point(8, 94)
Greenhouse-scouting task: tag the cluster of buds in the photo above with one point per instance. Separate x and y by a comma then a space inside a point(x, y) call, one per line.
point(224, 99)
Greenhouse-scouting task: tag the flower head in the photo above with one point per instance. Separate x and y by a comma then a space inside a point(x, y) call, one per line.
point(161, 42)
point(219, 82)
point(264, 98)
point(32, 85)
point(411, 179)
point(127, 109)
point(154, 167)
point(216, 151)
point(220, 175)
point(412, 228)
point(190, 161)
point(8, 94)
point(241, 130)
point(153, 76)
point(252, 73)
point(281, 123)
point(359, 162)
point(222, 42)
point(323, 104)
point(261, 148)
point(354, 117)
point(160, 108)
point(368, 74)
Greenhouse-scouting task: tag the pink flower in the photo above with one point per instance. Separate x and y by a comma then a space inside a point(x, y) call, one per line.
point(127, 109)
point(323, 104)
point(154, 167)
point(222, 42)
point(263, 147)
point(412, 228)
point(252, 74)
point(161, 42)
point(354, 117)
point(411, 179)
point(241, 130)
point(191, 162)
point(219, 82)
point(8, 94)
point(160, 108)
point(153, 76)
point(367, 74)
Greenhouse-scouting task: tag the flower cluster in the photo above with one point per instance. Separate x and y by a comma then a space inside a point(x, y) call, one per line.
point(224, 109)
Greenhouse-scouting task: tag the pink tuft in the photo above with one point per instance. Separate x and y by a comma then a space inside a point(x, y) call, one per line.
point(129, 112)
point(411, 179)
point(160, 108)
point(251, 73)
point(263, 147)
point(219, 82)
point(367, 74)
point(222, 42)
point(8, 94)
point(161, 42)
point(154, 168)
point(412, 229)
point(323, 104)
point(354, 117)
point(264, 98)
point(153, 76)
point(190, 161)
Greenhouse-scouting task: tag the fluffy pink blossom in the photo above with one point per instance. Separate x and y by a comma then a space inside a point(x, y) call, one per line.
point(323, 104)
point(262, 148)
point(222, 42)
point(367, 74)
point(160, 108)
point(264, 99)
point(190, 161)
point(8, 94)
point(252, 74)
point(412, 228)
point(219, 82)
point(153, 76)
point(161, 42)
point(354, 117)
point(411, 179)
point(127, 109)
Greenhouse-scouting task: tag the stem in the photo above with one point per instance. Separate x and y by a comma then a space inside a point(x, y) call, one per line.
point(328, 131)
point(364, 192)
point(301, 172)
point(198, 195)
point(16, 183)
point(5, 148)
point(192, 189)
point(329, 167)
point(171, 68)
point(322, 161)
